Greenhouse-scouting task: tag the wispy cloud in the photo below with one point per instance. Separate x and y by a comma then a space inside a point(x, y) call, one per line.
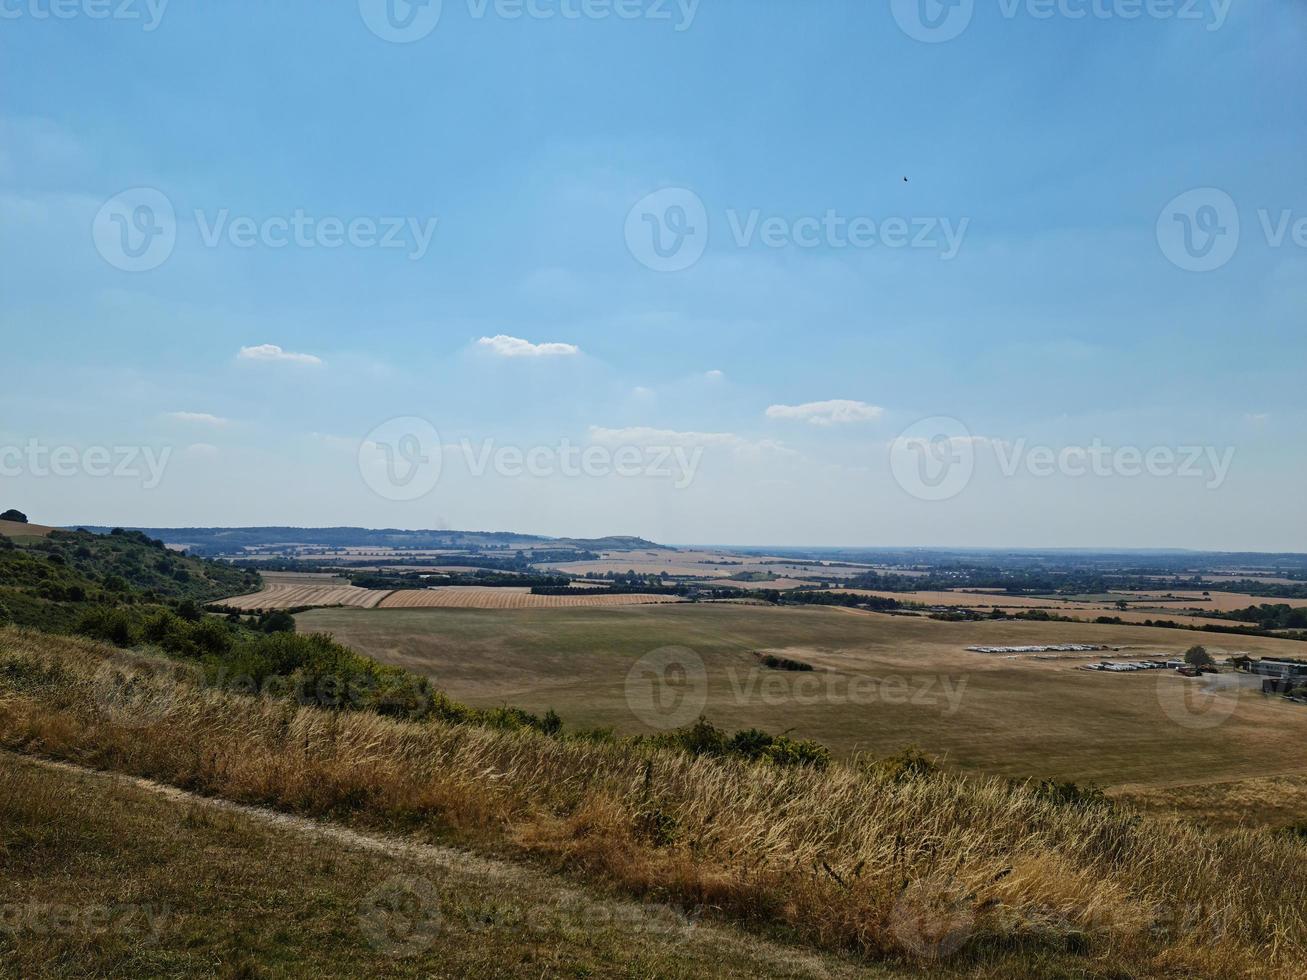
point(649, 437)
point(837, 411)
point(271, 352)
point(503, 345)
point(202, 418)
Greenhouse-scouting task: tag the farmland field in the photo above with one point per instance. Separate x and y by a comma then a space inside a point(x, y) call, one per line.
point(290, 592)
point(23, 533)
point(472, 597)
point(880, 683)
point(287, 595)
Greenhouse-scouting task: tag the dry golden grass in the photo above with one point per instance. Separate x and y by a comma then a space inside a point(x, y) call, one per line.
point(103, 875)
point(16, 529)
point(850, 857)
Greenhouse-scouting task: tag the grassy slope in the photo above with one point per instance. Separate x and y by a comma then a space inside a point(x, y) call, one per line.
point(1014, 717)
point(1004, 881)
point(50, 581)
point(234, 893)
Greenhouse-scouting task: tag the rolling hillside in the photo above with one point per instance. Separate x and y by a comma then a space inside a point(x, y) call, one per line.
point(49, 580)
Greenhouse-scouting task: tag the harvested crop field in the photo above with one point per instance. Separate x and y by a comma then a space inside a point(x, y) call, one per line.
point(280, 595)
point(17, 530)
point(472, 597)
point(292, 595)
point(880, 683)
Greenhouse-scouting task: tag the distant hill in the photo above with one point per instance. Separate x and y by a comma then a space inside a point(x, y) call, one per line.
point(233, 540)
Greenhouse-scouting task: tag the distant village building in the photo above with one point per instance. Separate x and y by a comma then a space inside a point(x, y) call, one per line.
point(1280, 668)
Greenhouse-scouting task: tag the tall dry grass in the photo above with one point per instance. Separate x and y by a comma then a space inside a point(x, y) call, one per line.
point(933, 867)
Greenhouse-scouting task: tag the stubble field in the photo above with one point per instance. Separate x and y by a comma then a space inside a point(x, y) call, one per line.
point(880, 683)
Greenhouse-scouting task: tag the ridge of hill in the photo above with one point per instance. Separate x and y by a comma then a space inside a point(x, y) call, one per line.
point(225, 540)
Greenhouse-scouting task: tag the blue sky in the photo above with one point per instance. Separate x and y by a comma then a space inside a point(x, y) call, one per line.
point(1058, 315)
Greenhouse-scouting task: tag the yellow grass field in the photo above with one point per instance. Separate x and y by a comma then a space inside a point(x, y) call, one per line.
point(880, 683)
point(16, 529)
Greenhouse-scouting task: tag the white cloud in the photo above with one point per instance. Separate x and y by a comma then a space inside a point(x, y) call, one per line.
point(271, 352)
point(1257, 418)
point(714, 375)
point(204, 418)
point(833, 412)
point(506, 346)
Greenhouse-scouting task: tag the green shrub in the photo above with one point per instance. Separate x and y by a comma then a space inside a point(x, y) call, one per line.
point(109, 625)
point(1069, 794)
point(909, 764)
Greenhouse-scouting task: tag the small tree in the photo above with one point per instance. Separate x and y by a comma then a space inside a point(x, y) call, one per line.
point(1197, 656)
point(14, 515)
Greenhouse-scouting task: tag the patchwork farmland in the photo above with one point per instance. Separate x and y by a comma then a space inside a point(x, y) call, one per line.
point(300, 594)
